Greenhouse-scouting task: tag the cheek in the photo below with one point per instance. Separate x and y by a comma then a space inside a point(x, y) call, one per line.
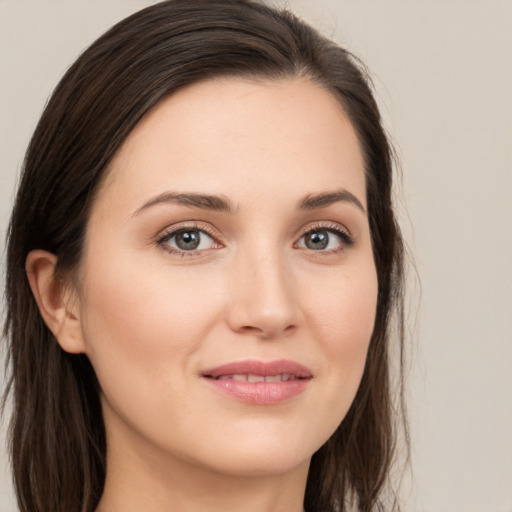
point(142, 322)
point(344, 316)
point(345, 308)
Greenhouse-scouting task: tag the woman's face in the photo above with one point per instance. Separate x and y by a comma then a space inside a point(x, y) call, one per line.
point(228, 288)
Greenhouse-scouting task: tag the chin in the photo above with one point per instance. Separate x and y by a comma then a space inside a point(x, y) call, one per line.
point(261, 453)
point(262, 464)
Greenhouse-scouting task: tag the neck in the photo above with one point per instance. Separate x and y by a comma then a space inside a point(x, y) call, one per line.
point(141, 478)
point(196, 490)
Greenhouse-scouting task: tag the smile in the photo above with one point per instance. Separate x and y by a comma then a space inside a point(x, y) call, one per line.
point(259, 383)
point(283, 377)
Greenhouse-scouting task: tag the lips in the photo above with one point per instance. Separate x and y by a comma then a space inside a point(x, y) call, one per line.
point(282, 377)
point(263, 369)
point(257, 382)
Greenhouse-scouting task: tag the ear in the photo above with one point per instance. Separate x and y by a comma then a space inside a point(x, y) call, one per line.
point(57, 301)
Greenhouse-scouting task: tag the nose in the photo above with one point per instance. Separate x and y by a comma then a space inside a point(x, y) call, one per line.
point(263, 298)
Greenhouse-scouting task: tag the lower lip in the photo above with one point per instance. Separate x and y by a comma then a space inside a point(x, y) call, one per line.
point(260, 393)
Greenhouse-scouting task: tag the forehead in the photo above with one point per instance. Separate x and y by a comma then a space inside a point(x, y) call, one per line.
point(234, 135)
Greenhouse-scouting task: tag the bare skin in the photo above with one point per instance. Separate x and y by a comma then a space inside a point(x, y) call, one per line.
point(231, 227)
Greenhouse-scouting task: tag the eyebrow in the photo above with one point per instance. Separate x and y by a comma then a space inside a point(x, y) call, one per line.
point(325, 199)
point(203, 201)
point(222, 204)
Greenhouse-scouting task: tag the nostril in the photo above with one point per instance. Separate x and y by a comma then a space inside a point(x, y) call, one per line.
point(268, 332)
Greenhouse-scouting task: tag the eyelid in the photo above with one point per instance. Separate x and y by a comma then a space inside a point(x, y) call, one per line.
point(174, 229)
point(333, 227)
point(340, 230)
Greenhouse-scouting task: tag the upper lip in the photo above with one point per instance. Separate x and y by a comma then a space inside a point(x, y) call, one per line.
point(252, 367)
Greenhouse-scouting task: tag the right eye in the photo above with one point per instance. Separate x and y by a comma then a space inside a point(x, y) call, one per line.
point(187, 240)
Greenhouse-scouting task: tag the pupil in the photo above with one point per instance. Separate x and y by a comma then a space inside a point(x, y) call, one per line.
point(188, 240)
point(317, 240)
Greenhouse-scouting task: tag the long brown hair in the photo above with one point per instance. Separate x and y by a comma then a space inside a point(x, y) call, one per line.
point(57, 435)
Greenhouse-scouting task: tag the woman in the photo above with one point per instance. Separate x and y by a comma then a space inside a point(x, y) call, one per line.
point(203, 265)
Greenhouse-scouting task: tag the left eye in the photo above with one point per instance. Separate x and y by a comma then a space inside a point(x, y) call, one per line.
point(188, 240)
point(322, 240)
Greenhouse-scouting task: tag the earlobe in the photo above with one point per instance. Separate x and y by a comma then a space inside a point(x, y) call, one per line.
point(55, 300)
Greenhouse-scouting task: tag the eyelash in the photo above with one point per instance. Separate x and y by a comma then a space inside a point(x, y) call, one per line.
point(171, 232)
point(342, 233)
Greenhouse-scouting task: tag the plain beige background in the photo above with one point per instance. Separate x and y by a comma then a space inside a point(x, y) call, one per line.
point(443, 75)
